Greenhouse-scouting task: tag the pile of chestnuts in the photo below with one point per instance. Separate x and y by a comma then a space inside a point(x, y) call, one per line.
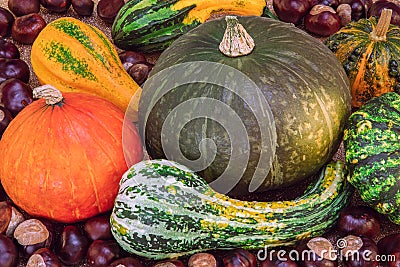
point(23, 20)
point(15, 91)
point(36, 242)
point(325, 17)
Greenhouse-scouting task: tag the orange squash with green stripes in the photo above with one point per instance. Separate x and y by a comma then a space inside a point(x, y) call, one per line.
point(369, 50)
point(76, 57)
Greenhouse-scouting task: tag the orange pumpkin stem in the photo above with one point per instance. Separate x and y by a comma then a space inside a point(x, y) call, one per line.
point(236, 41)
point(379, 33)
point(48, 93)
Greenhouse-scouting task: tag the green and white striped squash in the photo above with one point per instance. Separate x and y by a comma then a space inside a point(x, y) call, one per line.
point(164, 210)
point(372, 153)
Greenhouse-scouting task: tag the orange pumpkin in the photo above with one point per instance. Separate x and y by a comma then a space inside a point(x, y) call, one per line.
point(63, 156)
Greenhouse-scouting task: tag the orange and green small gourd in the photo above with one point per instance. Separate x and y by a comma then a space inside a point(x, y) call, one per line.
point(369, 50)
point(76, 57)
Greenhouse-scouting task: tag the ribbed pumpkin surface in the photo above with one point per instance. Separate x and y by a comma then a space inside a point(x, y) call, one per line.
point(302, 80)
point(65, 162)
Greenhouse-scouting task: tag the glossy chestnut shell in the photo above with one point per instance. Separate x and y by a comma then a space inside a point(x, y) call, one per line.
point(291, 11)
point(240, 258)
point(8, 50)
point(359, 220)
point(6, 22)
point(26, 28)
point(73, 245)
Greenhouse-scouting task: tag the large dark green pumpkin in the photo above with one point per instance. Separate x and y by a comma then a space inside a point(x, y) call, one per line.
point(303, 82)
point(372, 149)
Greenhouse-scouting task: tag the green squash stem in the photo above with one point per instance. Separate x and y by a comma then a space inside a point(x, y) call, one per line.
point(379, 33)
point(236, 41)
point(48, 93)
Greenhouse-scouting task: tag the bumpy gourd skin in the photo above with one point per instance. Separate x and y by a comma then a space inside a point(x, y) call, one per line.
point(372, 145)
point(372, 66)
point(163, 210)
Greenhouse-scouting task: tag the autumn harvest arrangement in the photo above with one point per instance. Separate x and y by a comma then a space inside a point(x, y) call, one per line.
point(229, 133)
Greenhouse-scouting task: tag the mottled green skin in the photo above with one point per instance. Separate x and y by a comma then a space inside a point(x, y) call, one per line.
point(164, 211)
point(149, 25)
point(300, 78)
point(372, 145)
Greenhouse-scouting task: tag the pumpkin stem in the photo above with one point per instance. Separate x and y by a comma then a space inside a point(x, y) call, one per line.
point(236, 41)
point(379, 33)
point(48, 93)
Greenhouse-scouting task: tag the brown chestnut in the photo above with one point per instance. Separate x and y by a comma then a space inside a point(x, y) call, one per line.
point(378, 6)
point(107, 10)
point(15, 95)
point(26, 28)
point(28, 250)
point(359, 220)
point(389, 246)
point(331, 3)
point(8, 252)
point(140, 72)
point(132, 57)
point(102, 252)
point(23, 7)
point(169, 263)
point(83, 7)
point(57, 6)
point(14, 68)
point(73, 245)
point(291, 11)
point(30, 232)
point(6, 22)
point(8, 50)
point(126, 262)
point(359, 8)
point(10, 217)
point(240, 257)
point(317, 252)
point(43, 257)
point(202, 259)
point(5, 119)
point(322, 20)
point(365, 256)
point(344, 13)
point(98, 227)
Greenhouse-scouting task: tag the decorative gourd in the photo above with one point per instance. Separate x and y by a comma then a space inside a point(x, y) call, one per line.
point(163, 210)
point(76, 57)
point(372, 153)
point(290, 82)
point(151, 26)
point(63, 157)
point(369, 51)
